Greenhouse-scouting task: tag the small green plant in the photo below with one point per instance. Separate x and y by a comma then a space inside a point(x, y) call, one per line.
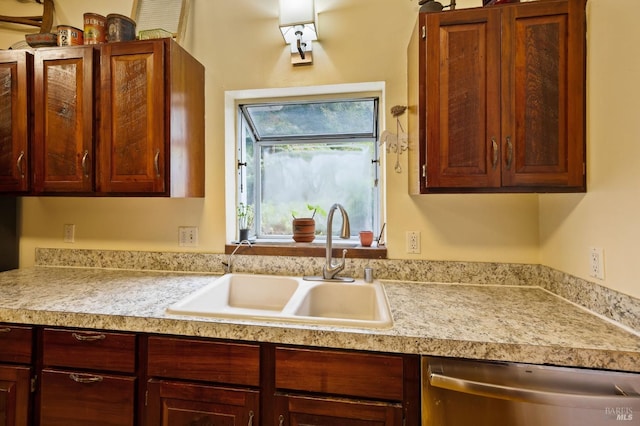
point(312, 208)
point(245, 216)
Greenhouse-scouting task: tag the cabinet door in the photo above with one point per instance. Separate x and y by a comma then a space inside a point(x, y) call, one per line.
point(132, 106)
point(15, 90)
point(78, 399)
point(185, 404)
point(462, 105)
point(64, 116)
point(309, 411)
point(14, 395)
point(543, 101)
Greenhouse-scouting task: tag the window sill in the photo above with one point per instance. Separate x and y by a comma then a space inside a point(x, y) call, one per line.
point(306, 250)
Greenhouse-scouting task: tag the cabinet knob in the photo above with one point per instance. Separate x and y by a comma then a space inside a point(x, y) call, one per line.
point(281, 420)
point(250, 418)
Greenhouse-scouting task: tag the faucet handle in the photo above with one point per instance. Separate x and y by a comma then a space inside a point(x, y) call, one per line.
point(344, 254)
point(340, 266)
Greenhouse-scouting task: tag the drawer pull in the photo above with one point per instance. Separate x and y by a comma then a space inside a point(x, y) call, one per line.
point(89, 337)
point(5, 329)
point(85, 378)
point(250, 418)
point(281, 420)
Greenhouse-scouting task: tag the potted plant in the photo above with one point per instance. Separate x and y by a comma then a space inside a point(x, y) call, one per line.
point(304, 228)
point(245, 220)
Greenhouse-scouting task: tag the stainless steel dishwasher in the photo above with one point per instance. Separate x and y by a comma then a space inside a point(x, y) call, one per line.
point(476, 393)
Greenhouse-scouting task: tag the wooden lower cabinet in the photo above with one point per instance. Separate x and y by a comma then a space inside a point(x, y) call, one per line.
point(200, 382)
point(315, 411)
point(88, 378)
point(107, 378)
point(15, 374)
point(14, 395)
point(322, 387)
point(172, 403)
point(78, 399)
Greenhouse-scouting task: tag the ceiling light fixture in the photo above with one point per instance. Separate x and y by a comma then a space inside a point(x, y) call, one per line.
point(298, 27)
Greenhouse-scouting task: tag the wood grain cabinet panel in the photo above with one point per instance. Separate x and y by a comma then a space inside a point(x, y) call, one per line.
point(317, 411)
point(15, 380)
point(497, 99)
point(74, 388)
point(179, 404)
point(151, 120)
point(201, 360)
point(15, 384)
point(16, 68)
point(73, 398)
point(324, 387)
point(16, 343)
point(64, 120)
point(93, 350)
point(355, 374)
point(113, 119)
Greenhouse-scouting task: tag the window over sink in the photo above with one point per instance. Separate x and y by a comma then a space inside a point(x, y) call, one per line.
point(312, 149)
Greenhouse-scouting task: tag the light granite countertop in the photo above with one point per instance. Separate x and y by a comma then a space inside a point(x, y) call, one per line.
point(495, 322)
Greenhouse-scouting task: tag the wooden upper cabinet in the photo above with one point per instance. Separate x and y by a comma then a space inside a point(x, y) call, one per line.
point(543, 80)
point(151, 120)
point(497, 99)
point(112, 119)
point(132, 148)
point(64, 117)
point(15, 89)
point(463, 99)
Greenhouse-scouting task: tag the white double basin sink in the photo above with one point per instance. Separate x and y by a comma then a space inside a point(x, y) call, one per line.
point(289, 299)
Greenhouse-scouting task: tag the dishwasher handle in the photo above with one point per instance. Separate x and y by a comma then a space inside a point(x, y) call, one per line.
point(536, 396)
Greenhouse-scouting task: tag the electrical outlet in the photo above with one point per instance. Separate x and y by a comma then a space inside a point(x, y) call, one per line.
point(596, 262)
point(69, 233)
point(413, 242)
point(188, 236)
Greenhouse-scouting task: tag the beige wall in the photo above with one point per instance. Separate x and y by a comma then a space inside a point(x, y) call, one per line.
point(240, 45)
point(607, 215)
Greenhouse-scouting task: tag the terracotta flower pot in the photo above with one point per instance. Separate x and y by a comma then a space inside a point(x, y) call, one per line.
point(304, 230)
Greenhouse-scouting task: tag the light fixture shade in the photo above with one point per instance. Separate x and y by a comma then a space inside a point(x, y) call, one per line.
point(298, 15)
point(298, 28)
point(296, 12)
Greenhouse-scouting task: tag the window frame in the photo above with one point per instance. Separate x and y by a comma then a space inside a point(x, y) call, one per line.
point(233, 124)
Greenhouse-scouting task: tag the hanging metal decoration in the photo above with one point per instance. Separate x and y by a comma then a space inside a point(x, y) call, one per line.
point(398, 141)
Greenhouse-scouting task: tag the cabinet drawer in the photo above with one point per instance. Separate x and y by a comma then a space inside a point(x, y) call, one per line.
point(340, 373)
point(77, 399)
point(15, 343)
point(218, 362)
point(90, 350)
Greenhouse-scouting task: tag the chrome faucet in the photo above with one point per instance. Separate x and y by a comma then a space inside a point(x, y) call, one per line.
point(330, 270)
point(228, 265)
